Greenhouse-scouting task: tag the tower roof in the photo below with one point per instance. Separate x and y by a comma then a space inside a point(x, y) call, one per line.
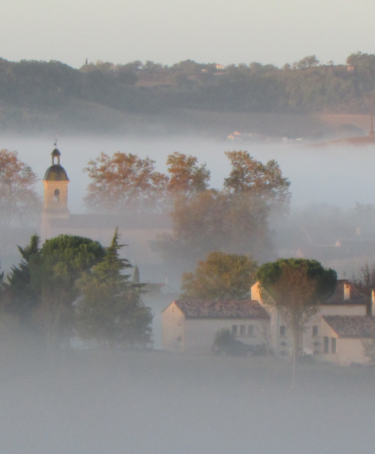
point(56, 172)
point(55, 153)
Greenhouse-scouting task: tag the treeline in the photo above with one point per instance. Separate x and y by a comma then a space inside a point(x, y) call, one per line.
point(304, 86)
point(233, 219)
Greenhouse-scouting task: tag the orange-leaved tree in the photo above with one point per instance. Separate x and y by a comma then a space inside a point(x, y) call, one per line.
point(122, 182)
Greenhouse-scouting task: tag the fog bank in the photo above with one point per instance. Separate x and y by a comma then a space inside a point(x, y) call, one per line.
point(334, 175)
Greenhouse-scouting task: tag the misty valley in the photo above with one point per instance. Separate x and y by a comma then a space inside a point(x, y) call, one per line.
point(187, 227)
point(140, 310)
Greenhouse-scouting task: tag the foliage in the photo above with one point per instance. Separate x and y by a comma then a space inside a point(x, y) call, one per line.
point(123, 182)
point(136, 275)
point(364, 282)
point(32, 90)
point(253, 177)
point(185, 174)
point(365, 279)
point(23, 300)
point(110, 310)
point(221, 276)
point(234, 219)
point(54, 272)
point(306, 62)
point(297, 286)
point(18, 199)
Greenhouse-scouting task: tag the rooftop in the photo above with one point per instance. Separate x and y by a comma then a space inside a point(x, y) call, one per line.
point(351, 326)
point(338, 297)
point(56, 173)
point(222, 309)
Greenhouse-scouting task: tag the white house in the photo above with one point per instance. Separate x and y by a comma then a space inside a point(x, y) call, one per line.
point(335, 333)
point(192, 325)
point(343, 338)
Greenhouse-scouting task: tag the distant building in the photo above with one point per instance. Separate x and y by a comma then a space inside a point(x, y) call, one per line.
point(343, 338)
point(191, 326)
point(334, 334)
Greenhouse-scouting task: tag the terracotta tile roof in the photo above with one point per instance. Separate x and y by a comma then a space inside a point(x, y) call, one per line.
point(222, 309)
point(351, 326)
point(338, 296)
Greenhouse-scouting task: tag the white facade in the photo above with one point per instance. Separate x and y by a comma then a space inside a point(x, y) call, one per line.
point(181, 333)
point(342, 351)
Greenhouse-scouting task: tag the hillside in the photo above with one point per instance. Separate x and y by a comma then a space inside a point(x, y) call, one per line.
point(205, 99)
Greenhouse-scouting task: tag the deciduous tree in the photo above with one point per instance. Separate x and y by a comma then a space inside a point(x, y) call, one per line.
point(235, 219)
point(124, 182)
point(297, 286)
point(251, 177)
point(221, 276)
point(364, 281)
point(186, 176)
point(18, 199)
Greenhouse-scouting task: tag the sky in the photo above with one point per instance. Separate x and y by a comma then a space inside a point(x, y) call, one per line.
point(169, 31)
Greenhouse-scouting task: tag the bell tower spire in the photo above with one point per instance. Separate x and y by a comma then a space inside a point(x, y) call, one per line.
point(55, 194)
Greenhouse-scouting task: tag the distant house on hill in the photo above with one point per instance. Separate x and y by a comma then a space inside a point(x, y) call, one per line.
point(192, 325)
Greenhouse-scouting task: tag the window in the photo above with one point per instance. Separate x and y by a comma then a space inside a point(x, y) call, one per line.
point(250, 330)
point(282, 330)
point(234, 330)
point(283, 344)
point(57, 195)
point(333, 345)
point(326, 344)
point(315, 331)
point(243, 330)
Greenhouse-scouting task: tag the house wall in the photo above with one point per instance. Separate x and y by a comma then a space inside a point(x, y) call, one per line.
point(49, 195)
point(351, 351)
point(200, 333)
point(348, 350)
point(173, 329)
point(282, 345)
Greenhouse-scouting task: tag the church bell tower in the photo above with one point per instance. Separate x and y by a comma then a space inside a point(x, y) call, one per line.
point(55, 195)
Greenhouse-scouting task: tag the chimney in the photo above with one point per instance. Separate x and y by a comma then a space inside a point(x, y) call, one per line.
point(346, 291)
point(255, 293)
point(372, 303)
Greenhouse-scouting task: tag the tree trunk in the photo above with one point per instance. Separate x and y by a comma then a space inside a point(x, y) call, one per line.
point(296, 336)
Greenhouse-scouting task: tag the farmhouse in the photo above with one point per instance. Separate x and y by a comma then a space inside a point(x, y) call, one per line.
point(344, 337)
point(192, 325)
point(335, 333)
